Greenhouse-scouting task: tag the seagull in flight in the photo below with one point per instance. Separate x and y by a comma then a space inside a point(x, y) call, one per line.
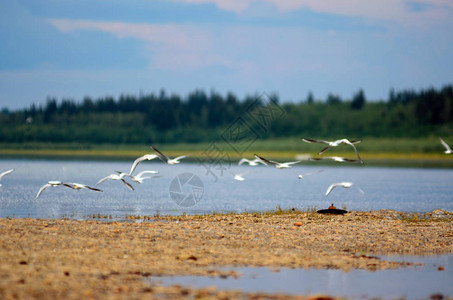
point(447, 148)
point(277, 164)
point(52, 183)
point(72, 185)
point(342, 184)
point(239, 177)
point(335, 144)
point(119, 176)
point(335, 158)
point(5, 173)
point(302, 176)
point(167, 159)
point(140, 159)
point(251, 162)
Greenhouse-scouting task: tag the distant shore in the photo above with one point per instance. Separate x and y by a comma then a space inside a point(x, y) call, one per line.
point(371, 159)
point(60, 258)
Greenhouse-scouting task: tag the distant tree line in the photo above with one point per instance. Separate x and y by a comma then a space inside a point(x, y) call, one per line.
point(201, 117)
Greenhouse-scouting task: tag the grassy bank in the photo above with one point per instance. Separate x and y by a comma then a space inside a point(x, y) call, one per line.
point(416, 152)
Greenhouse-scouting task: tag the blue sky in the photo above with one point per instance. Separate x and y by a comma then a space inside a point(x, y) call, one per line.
point(77, 48)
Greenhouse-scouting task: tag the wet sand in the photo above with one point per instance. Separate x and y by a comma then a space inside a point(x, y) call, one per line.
point(54, 258)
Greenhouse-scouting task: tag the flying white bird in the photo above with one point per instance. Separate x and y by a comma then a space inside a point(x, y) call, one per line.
point(167, 159)
point(251, 162)
point(277, 164)
point(5, 173)
point(119, 176)
point(140, 159)
point(302, 176)
point(335, 144)
point(53, 183)
point(335, 158)
point(447, 148)
point(342, 184)
point(239, 177)
point(72, 185)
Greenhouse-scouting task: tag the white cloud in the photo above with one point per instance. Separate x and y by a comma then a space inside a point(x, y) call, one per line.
point(169, 46)
point(394, 10)
point(237, 6)
point(180, 36)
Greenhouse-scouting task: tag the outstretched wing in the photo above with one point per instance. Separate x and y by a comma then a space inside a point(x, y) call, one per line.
point(6, 173)
point(243, 160)
point(335, 158)
point(127, 184)
point(292, 162)
point(104, 179)
point(92, 188)
point(313, 141)
point(162, 156)
point(355, 141)
point(357, 153)
point(260, 161)
point(351, 143)
point(72, 185)
point(331, 187)
point(146, 172)
point(136, 162)
point(266, 160)
point(447, 147)
point(181, 157)
point(324, 150)
point(41, 190)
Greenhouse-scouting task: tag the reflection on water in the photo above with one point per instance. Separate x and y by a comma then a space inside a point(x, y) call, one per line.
point(418, 282)
point(264, 188)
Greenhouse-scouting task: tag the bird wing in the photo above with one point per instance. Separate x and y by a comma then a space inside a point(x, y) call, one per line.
point(331, 187)
point(324, 150)
point(74, 186)
point(181, 157)
point(42, 189)
point(162, 156)
point(127, 184)
point(447, 147)
point(136, 162)
point(92, 188)
point(348, 142)
point(314, 141)
point(292, 162)
point(355, 141)
point(357, 153)
point(146, 172)
point(259, 161)
point(317, 158)
point(104, 179)
point(341, 159)
point(266, 160)
point(243, 161)
point(351, 160)
point(6, 173)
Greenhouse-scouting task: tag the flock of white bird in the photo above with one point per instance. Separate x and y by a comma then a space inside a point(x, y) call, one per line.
point(140, 177)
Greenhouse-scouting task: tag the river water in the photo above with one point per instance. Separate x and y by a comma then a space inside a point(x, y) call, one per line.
point(189, 188)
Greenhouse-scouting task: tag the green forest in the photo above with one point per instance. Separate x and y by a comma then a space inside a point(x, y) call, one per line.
point(202, 117)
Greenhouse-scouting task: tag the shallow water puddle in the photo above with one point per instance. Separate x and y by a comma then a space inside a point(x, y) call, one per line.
point(435, 277)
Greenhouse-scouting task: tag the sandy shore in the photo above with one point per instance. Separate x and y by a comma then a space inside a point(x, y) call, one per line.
point(96, 259)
